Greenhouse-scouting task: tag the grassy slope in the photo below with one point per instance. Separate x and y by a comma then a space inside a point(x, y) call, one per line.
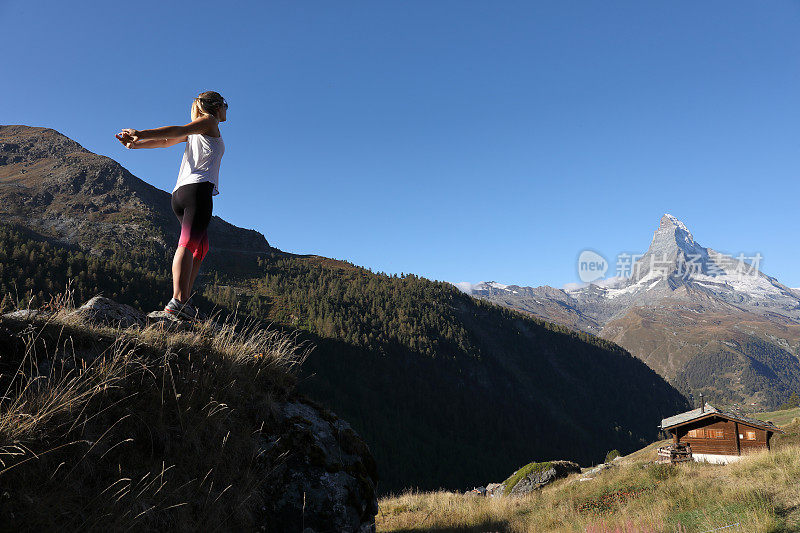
point(780, 417)
point(106, 429)
point(759, 493)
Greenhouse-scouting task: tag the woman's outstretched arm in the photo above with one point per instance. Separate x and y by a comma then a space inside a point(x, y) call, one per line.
point(150, 143)
point(200, 125)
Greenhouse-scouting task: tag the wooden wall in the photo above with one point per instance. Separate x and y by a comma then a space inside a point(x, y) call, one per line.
point(749, 445)
point(721, 446)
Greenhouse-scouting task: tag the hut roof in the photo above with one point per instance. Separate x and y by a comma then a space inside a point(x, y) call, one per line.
point(709, 410)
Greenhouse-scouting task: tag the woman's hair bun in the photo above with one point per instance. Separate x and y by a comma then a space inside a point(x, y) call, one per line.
point(206, 103)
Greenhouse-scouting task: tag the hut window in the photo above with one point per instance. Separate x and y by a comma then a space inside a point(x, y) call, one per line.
point(701, 433)
point(751, 435)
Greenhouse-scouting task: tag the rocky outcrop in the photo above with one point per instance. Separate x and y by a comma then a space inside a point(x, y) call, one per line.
point(322, 475)
point(23, 314)
point(328, 476)
point(597, 469)
point(534, 476)
point(164, 320)
point(589, 474)
point(102, 310)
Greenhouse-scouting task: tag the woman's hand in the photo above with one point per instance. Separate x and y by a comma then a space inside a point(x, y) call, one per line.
point(127, 138)
point(132, 134)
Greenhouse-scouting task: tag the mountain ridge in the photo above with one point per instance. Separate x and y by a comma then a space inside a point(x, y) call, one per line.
point(692, 281)
point(52, 184)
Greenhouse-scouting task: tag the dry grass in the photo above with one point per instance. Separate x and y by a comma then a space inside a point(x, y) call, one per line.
point(780, 417)
point(136, 429)
point(757, 494)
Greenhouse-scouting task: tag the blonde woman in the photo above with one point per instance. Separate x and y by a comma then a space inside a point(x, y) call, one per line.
point(198, 181)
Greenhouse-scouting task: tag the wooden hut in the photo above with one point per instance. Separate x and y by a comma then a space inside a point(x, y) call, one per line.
point(718, 436)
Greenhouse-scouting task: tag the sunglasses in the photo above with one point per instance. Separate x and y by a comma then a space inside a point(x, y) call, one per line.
point(224, 102)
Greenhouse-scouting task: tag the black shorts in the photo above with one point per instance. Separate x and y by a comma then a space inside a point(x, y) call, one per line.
point(192, 205)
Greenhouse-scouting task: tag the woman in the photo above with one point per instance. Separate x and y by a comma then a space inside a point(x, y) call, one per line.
point(198, 181)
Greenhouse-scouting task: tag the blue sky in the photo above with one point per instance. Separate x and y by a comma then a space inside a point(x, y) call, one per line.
point(458, 140)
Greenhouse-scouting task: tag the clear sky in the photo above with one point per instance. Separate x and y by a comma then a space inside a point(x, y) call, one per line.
point(458, 140)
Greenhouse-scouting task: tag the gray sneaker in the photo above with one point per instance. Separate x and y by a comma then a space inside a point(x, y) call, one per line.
point(181, 310)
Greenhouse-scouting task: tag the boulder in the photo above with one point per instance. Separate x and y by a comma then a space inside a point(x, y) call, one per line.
point(102, 310)
point(160, 319)
point(493, 489)
point(327, 475)
point(22, 314)
point(534, 476)
point(597, 469)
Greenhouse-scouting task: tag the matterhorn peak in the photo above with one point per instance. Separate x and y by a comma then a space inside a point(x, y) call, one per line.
point(671, 248)
point(673, 235)
point(670, 219)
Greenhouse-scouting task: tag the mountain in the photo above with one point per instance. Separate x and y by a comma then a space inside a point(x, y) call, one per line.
point(706, 321)
point(447, 390)
point(55, 187)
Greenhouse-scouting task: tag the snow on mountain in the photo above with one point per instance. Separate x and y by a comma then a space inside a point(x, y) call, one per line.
point(675, 260)
point(674, 266)
point(709, 322)
point(465, 286)
point(483, 286)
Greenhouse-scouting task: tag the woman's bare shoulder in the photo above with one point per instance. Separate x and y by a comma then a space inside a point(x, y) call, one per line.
point(205, 125)
point(212, 124)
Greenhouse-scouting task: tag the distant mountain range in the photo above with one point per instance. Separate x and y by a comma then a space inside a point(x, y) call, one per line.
point(706, 321)
point(446, 389)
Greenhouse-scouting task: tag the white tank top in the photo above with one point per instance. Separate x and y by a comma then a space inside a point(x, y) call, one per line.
point(201, 161)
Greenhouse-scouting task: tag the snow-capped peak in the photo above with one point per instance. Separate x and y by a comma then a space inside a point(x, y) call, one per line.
point(675, 222)
point(675, 266)
point(673, 235)
point(485, 286)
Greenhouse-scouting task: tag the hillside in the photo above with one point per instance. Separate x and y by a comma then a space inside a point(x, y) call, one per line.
point(757, 494)
point(706, 321)
point(733, 357)
point(55, 187)
point(445, 389)
point(156, 426)
point(781, 417)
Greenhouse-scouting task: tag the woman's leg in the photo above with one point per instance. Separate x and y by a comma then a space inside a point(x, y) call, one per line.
point(194, 238)
point(182, 274)
point(179, 201)
point(195, 270)
point(185, 206)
